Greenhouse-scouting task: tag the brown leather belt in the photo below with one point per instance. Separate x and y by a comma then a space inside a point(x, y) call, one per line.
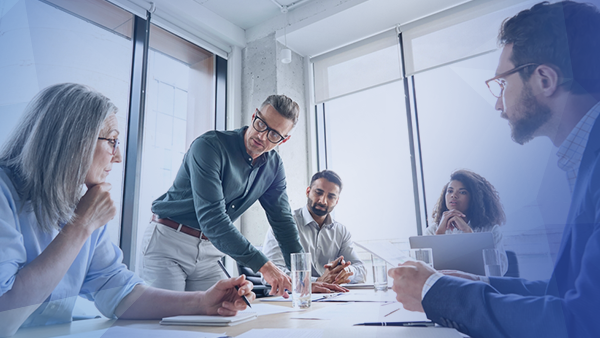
point(179, 227)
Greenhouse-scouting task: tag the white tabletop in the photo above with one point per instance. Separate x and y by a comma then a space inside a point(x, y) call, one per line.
point(338, 323)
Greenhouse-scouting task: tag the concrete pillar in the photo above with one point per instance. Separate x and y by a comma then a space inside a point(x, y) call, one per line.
point(263, 74)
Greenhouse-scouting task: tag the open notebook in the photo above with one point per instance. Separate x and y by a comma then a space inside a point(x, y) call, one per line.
point(210, 320)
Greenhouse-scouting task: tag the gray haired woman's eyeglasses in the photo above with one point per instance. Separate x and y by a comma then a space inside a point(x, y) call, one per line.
point(114, 143)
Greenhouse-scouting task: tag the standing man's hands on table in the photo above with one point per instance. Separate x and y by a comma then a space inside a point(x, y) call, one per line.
point(278, 280)
point(336, 274)
point(409, 279)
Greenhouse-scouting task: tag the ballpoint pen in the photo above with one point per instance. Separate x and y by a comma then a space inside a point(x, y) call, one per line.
point(412, 324)
point(236, 287)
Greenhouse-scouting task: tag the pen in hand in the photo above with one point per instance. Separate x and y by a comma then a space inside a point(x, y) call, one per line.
point(236, 287)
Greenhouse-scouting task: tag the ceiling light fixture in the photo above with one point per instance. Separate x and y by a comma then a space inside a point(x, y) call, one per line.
point(286, 53)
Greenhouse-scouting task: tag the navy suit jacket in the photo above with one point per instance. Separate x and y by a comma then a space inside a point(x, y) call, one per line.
point(567, 305)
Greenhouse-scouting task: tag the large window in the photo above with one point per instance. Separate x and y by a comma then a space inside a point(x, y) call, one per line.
point(460, 129)
point(180, 105)
point(453, 125)
point(373, 160)
point(92, 42)
point(41, 45)
point(363, 136)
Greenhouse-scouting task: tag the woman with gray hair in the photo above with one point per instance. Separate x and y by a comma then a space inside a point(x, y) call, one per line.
point(54, 243)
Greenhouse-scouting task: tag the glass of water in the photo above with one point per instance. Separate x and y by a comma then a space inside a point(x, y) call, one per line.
point(380, 281)
point(301, 287)
point(492, 262)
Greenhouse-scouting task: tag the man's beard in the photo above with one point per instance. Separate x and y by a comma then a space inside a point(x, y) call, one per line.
point(535, 115)
point(316, 211)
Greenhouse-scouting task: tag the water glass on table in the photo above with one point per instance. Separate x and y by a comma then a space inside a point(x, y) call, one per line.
point(380, 281)
point(301, 283)
point(492, 262)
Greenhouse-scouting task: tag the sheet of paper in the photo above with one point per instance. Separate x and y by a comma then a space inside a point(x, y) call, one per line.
point(126, 332)
point(314, 297)
point(282, 333)
point(363, 312)
point(268, 309)
point(385, 250)
point(364, 295)
point(358, 286)
point(209, 320)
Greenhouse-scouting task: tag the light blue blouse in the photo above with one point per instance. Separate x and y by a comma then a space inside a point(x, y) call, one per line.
point(97, 273)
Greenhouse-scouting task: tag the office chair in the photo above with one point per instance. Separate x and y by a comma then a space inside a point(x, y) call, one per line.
point(513, 264)
point(259, 289)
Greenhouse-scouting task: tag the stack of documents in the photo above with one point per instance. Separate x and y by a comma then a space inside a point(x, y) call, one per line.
point(241, 317)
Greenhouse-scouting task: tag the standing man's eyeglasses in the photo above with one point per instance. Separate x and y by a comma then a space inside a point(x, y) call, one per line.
point(260, 126)
point(113, 142)
point(497, 83)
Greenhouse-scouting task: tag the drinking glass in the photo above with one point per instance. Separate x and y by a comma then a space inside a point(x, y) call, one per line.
point(380, 281)
point(301, 283)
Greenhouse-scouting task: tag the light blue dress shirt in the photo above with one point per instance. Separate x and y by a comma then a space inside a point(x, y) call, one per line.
point(97, 273)
point(325, 244)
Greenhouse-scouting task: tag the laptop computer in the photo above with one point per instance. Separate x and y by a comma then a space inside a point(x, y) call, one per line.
point(456, 251)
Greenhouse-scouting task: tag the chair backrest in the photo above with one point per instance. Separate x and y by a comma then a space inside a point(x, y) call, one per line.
point(513, 264)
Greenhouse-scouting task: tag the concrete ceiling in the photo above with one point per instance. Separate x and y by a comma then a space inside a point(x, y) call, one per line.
point(312, 27)
point(244, 13)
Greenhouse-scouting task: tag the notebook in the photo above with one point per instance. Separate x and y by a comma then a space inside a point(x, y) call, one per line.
point(241, 317)
point(461, 252)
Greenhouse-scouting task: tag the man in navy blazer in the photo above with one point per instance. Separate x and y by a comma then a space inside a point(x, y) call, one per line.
point(547, 84)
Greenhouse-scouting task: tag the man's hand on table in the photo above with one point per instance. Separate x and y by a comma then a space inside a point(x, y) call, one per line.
point(278, 280)
point(320, 287)
point(336, 272)
point(409, 279)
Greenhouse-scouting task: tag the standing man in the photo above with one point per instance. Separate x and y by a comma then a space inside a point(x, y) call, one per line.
point(328, 241)
point(222, 175)
point(547, 84)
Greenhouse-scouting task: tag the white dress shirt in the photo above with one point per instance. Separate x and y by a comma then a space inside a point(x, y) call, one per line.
point(324, 243)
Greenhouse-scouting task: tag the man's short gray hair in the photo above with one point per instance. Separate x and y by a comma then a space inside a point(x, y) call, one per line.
point(51, 150)
point(284, 106)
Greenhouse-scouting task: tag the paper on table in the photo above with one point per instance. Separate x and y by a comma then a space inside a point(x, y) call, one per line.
point(126, 332)
point(386, 251)
point(364, 295)
point(241, 317)
point(358, 286)
point(268, 309)
point(363, 312)
point(314, 297)
point(282, 333)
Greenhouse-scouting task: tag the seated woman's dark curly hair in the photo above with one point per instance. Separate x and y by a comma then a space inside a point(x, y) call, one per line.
point(485, 209)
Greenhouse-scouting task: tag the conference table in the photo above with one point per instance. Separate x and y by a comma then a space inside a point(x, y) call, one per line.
point(334, 318)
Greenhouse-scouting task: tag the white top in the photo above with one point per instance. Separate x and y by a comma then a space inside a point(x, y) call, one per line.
point(325, 244)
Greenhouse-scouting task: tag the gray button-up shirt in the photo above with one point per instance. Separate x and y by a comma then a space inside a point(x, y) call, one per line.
point(325, 244)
